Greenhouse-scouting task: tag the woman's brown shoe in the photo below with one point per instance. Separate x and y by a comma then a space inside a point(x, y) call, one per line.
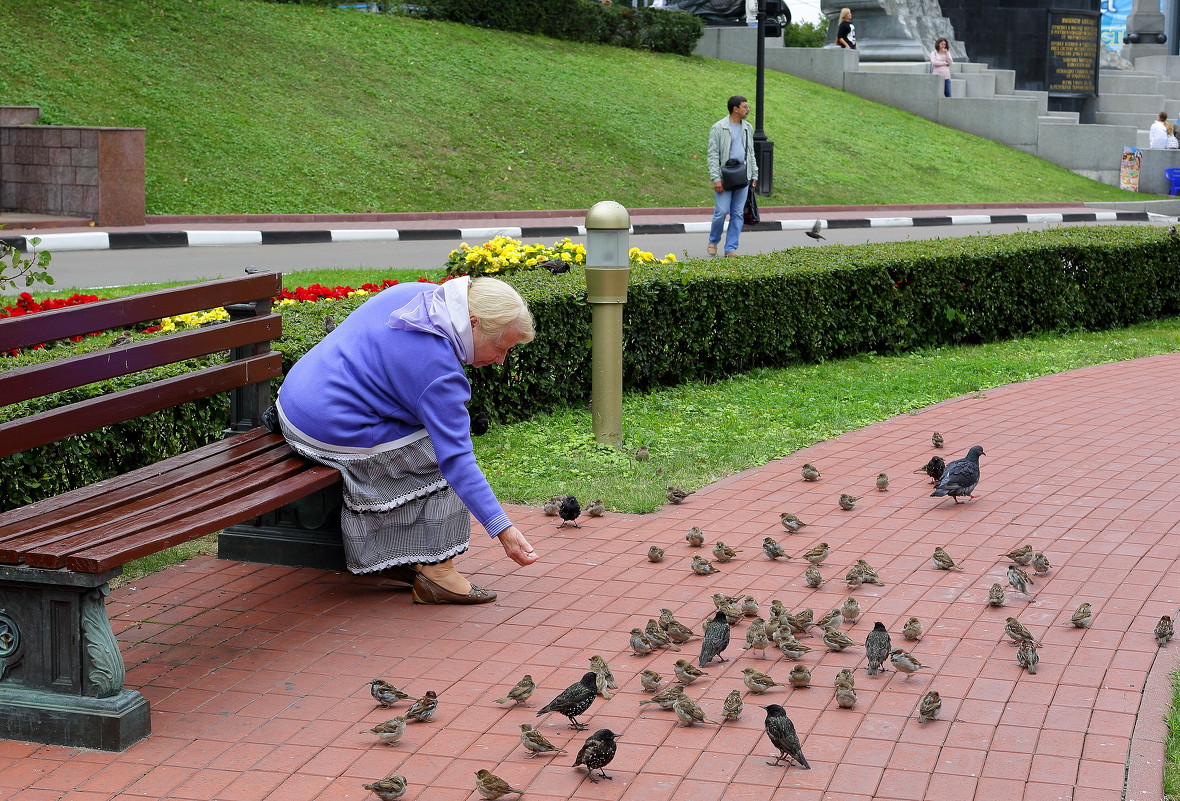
point(426, 591)
point(403, 573)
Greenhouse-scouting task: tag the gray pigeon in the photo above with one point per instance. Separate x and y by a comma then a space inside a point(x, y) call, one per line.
point(960, 477)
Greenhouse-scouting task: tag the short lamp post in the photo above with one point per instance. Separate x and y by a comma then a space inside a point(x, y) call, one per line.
point(607, 272)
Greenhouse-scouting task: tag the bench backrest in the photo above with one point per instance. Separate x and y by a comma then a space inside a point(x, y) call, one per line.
point(247, 336)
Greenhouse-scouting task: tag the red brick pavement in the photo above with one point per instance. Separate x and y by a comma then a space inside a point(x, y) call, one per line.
point(257, 675)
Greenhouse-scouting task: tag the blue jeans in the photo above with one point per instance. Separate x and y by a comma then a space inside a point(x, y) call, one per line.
point(947, 87)
point(733, 203)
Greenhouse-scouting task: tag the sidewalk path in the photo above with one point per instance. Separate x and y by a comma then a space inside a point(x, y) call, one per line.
point(257, 674)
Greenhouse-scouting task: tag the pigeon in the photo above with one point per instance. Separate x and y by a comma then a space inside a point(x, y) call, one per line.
point(791, 522)
point(520, 692)
point(655, 554)
point(882, 482)
point(597, 752)
point(576, 699)
point(781, 732)
point(848, 501)
point(695, 537)
point(390, 731)
point(936, 440)
point(731, 707)
point(929, 707)
point(934, 468)
point(814, 233)
point(480, 424)
point(650, 680)
point(877, 647)
point(1164, 631)
point(385, 693)
point(491, 786)
point(596, 508)
point(1021, 556)
point(809, 472)
point(912, 630)
point(716, 639)
point(390, 788)
point(772, 549)
point(677, 495)
point(535, 742)
point(960, 477)
point(569, 511)
point(1081, 617)
point(943, 561)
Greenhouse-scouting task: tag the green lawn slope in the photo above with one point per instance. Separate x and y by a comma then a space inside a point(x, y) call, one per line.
point(257, 107)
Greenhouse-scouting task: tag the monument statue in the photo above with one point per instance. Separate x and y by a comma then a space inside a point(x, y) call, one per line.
point(894, 30)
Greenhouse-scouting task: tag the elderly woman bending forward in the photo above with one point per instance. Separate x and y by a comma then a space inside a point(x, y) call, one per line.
point(383, 399)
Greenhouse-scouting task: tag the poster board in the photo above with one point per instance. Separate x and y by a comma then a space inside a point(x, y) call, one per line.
point(1129, 169)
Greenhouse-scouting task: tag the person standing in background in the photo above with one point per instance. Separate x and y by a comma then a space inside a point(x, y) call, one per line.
point(846, 33)
point(731, 139)
point(940, 63)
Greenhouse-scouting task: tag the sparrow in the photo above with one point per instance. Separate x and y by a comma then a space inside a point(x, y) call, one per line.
point(1040, 564)
point(929, 707)
point(1163, 631)
point(1021, 556)
point(805, 617)
point(810, 473)
point(720, 599)
point(846, 677)
point(1027, 658)
point(799, 677)
point(686, 672)
point(666, 697)
point(491, 786)
point(599, 666)
point(329, 323)
point(733, 613)
point(882, 482)
point(695, 537)
point(749, 606)
point(772, 549)
point(793, 649)
point(640, 644)
point(655, 554)
point(385, 693)
point(904, 662)
point(677, 631)
point(781, 732)
point(658, 637)
point(792, 624)
point(689, 711)
point(569, 511)
point(642, 453)
point(723, 553)
point(837, 640)
point(995, 596)
point(520, 691)
point(731, 707)
point(818, 554)
point(1019, 580)
point(936, 440)
point(756, 681)
point(848, 501)
point(832, 618)
point(877, 647)
point(1081, 617)
point(552, 505)
point(790, 522)
point(423, 708)
point(912, 630)
point(869, 573)
point(850, 610)
point(597, 752)
point(596, 508)
point(777, 608)
point(574, 700)
point(812, 577)
point(677, 495)
point(1016, 630)
point(716, 639)
point(650, 680)
point(943, 561)
point(960, 477)
point(390, 731)
point(389, 788)
point(702, 566)
point(934, 468)
point(845, 696)
point(535, 742)
point(854, 577)
point(814, 232)
point(756, 637)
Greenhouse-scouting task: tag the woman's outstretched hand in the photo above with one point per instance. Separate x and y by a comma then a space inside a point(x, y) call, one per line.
point(516, 546)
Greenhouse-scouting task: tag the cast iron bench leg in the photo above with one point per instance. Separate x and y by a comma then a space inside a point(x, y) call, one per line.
point(305, 533)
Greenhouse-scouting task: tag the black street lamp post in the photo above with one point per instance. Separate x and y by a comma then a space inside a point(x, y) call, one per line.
point(763, 147)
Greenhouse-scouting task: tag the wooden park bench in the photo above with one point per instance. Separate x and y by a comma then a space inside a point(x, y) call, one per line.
point(61, 672)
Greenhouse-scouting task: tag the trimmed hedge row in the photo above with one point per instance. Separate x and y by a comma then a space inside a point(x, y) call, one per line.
point(711, 319)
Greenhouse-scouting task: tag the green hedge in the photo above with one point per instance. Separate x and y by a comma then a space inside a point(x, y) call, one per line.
point(708, 319)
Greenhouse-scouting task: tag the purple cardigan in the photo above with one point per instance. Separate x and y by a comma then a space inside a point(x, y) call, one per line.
point(366, 384)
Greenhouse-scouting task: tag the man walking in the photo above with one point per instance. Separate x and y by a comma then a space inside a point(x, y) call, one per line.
point(731, 145)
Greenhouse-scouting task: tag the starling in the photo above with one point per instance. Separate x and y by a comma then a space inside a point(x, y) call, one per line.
point(480, 424)
point(423, 708)
point(574, 700)
point(1021, 556)
point(848, 501)
point(695, 537)
point(960, 477)
point(552, 505)
point(520, 691)
point(596, 508)
point(569, 511)
point(1019, 580)
point(389, 788)
point(686, 672)
point(772, 549)
point(555, 266)
point(850, 609)
point(749, 606)
point(912, 630)
point(790, 522)
point(491, 786)
point(812, 577)
point(810, 473)
point(936, 440)
point(929, 707)
point(837, 640)
point(845, 676)
point(677, 495)
point(731, 707)
point(905, 662)
point(934, 468)
point(723, 553)
point(882, 482)
point(599, 666)
point(658, 637)
point(1040, 564)
point(1027, 658)
point(1016, 630)
point(597, 753)
point(814, 233)
point(535, 742)
point(640, 644)
point(877, 647)
point(650, 680)
point(818, 554)
point(665, 697)
point(716, 639)
point(689, 711)
point(390, 731)
point(781, 732)
point(943, 561)
point(1163, 631)
point(1081, 618)
point(385, 693)
point(655, 554)
point(702, 566)
point(845, 696)
point(995, 596)
point(756, 681)
point(799, 677)
point(642, 453)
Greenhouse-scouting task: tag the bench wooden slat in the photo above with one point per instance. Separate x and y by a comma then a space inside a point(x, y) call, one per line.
point(32, 329)
point(76, 371)
point(94, 413)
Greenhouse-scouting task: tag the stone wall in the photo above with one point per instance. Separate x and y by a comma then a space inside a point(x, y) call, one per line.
point(75, 171)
